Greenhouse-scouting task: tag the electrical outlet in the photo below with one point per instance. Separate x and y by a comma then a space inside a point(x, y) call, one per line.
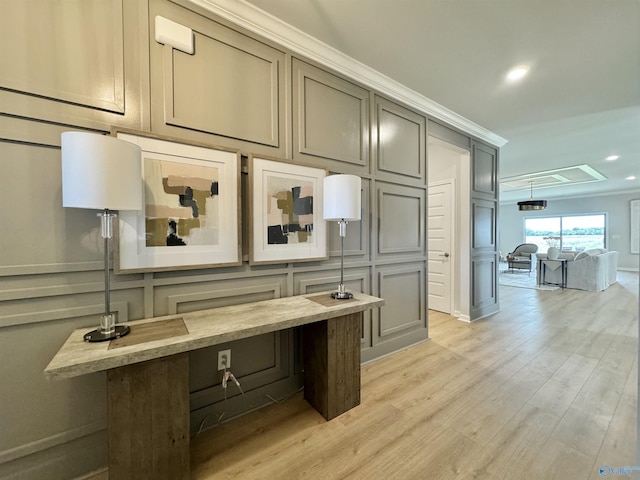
point(224, 359)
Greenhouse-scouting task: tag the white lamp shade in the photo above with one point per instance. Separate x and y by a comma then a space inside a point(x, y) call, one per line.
point(341, 198)
point(100, 172)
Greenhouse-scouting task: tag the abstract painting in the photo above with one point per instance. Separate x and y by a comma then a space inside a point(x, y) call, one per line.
point(286, 203)
point(191, 215)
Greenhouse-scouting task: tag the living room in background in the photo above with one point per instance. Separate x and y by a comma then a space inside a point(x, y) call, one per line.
point(570, 232)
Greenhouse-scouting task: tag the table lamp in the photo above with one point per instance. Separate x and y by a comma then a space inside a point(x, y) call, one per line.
point(103, 173)
point(341, 203)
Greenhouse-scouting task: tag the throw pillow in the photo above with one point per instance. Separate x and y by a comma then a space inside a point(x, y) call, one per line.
point(581, 255)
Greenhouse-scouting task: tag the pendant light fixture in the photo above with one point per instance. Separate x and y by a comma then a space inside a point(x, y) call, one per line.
point(532, 204)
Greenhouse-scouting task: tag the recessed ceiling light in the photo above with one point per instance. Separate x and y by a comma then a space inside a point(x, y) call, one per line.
point(631, 177)
point(612, 157)
point(517, 73)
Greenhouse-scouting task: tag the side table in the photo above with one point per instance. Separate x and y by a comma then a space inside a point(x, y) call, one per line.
point(542, 268)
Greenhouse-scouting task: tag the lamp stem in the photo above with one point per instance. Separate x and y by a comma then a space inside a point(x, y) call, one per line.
point(108, 329)
point(342, 260)
point(107, 232)
point(107, 282)
point(342, 293)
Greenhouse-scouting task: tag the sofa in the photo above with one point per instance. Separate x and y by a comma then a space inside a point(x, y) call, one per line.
point(594, 270)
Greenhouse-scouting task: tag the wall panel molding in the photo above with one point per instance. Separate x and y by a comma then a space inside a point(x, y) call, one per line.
point(403, 288)
point(484, 228)
point(174, 301)
point(257, 21)
point(484, 179)
point(330, 116)
point(230, 92)
point(100, 84)
point(402, 218)
point(400, 142)
point(27, 318)
point(51, 441)
point(484, 286)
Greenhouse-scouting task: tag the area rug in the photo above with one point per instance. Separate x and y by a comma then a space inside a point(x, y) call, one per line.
point(522, 279)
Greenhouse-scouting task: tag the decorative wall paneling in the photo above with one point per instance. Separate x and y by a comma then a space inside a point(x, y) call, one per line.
point(484, 231)
point(51, 265)
point(46, 81)
point(483, 225)
point(404, 322)
point(402, 218)
point(229, 92)
point(330, 119)
point(399, 143)
point(484, 289)
point(484, 182)
point(265, 367)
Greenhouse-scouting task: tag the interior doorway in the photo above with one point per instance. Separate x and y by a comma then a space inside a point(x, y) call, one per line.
point(449, 164)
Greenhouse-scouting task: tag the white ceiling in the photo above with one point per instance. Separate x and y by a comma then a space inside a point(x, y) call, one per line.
point(579, 103)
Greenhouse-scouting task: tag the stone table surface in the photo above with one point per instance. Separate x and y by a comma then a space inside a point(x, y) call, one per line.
point(201, 329)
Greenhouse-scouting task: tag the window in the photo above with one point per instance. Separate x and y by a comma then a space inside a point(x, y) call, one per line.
point(570, 232)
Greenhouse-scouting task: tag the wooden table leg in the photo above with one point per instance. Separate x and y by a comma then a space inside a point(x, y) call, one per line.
point(148, 419)
point(331, 351)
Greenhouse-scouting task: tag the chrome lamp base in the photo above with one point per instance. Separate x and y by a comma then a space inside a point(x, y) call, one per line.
point(99, 336)
point(108, 330)
point(341, 294)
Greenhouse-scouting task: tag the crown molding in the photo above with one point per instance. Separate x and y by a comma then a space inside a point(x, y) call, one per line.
point(272, 28)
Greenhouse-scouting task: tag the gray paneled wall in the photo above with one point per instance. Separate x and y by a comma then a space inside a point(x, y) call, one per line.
point(484, 231)
point(94, 64)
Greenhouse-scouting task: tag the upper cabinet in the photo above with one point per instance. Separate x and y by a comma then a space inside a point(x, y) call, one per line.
point(231, 88)
point(399, 143)
point(330, 119)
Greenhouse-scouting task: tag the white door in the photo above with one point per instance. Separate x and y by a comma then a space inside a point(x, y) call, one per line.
point(440, 236)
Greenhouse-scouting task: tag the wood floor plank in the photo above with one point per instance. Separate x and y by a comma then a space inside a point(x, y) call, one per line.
point(618, 447)
point(557, 461)
point(546, 388)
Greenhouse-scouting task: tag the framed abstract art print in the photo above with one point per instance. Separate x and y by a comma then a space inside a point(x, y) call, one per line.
point(191, 207)
point(286, 212)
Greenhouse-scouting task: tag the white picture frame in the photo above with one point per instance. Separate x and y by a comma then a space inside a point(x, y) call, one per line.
point(283, 236)
point(206, 228)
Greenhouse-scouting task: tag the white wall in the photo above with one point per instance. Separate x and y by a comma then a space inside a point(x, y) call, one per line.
point(511, 222)
point(446, 162)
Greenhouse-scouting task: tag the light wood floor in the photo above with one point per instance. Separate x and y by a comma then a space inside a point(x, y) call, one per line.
point(546, 389)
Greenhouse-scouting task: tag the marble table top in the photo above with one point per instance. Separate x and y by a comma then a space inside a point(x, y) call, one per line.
point(200, 329)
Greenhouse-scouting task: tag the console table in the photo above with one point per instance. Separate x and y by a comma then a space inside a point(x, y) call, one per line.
point(148, 371)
